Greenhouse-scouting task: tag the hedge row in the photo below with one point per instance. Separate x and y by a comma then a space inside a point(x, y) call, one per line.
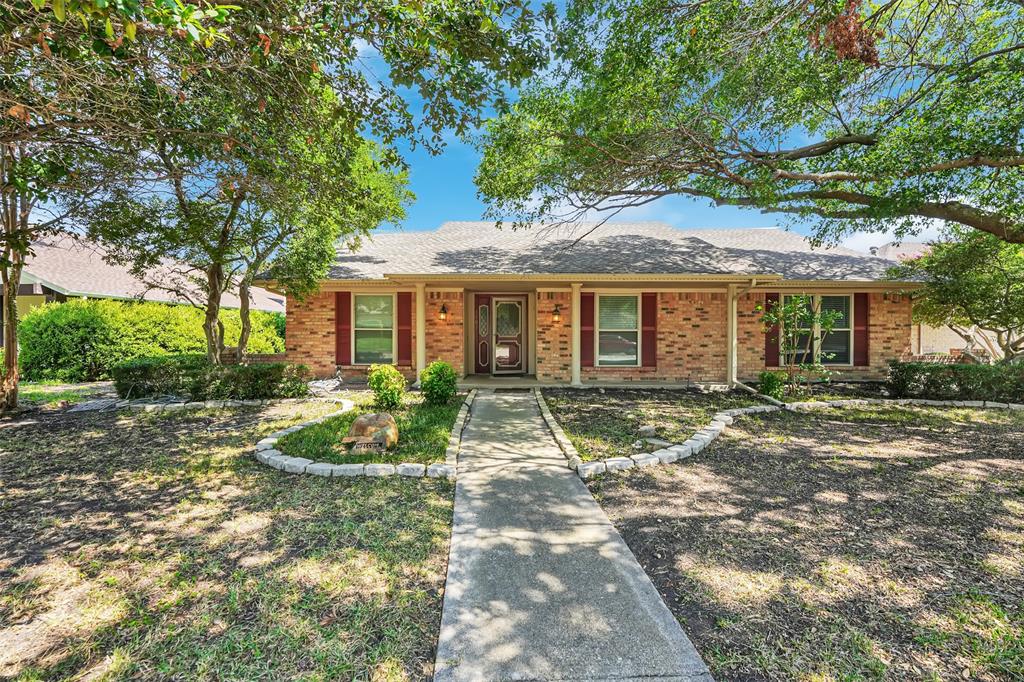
point(81, 340)
point(194, 378)
point(1001, 382)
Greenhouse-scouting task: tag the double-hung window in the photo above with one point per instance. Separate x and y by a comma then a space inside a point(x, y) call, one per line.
point(373, 328)
point(834, 348)
point(618, 331)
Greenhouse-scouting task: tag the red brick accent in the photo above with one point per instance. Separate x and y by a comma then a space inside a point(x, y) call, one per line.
point(889, 332)
point(445, 339)
point(309, 337)
point(691, 337)
point(554, 339)
point(691, 342)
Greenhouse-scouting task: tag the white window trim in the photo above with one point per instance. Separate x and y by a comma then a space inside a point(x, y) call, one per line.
point(598, 329)
point(816, 331)
point(394, 326)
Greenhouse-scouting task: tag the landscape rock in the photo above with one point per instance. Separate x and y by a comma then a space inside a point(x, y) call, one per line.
point(373, 428)
point(409, 469)
point(647, 431)
point(379, 469)
point(618, 463)
point(587, 470)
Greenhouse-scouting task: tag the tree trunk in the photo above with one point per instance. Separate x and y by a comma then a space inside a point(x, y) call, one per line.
point(243, 315)
point(212, 327)
point(9, 381)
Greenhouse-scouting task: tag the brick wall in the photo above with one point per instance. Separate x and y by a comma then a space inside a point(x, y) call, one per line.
point(691, 342)
point(889, 337)
point(310, 337)
point(309, 332)
point(692, 330)
point(445, 339)
point(554, 339)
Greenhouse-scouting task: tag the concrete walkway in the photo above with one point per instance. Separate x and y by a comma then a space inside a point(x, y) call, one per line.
point(540, 584)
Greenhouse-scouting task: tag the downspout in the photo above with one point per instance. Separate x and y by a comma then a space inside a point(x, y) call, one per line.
point(732, 333)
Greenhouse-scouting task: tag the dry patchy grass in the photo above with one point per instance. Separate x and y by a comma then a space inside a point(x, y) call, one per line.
point(604, 423)
point(861, 545)
point(154, 546)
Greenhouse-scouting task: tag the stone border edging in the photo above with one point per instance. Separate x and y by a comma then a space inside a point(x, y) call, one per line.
point(267, 454)
point(719, 423)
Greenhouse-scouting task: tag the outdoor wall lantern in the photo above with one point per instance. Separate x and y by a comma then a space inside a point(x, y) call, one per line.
point(444, 312)
point(556, 314)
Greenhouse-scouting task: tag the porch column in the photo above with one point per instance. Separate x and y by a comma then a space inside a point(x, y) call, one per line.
point(731, 326)
point(576, 286)
point(421, 328)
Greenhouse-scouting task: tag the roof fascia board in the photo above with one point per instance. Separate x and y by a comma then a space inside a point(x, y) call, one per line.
point(578, 277)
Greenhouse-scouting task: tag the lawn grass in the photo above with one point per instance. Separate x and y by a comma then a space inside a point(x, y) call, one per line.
point(882, 543)
point(423, 432)
point(604, 423)
point(155, 547)
point(46, 394)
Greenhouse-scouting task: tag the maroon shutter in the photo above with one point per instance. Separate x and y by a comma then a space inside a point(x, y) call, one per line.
point(649, 329)
point(861, 315)
point(404, 354)
point(343, 328)
point(587, 330)
point(771, 336)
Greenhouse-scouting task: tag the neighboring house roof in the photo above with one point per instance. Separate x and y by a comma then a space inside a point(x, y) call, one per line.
point(76, 267)
point(901, 251)
point(650, 248)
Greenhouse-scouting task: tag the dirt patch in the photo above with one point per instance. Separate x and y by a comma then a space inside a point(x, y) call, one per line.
point(154, 546)
point(873, 544)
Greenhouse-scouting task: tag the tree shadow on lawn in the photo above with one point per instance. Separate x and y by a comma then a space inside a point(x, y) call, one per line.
point(884, 544)
point(154, 546)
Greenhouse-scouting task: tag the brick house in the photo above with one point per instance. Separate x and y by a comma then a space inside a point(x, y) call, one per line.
point(628, 302)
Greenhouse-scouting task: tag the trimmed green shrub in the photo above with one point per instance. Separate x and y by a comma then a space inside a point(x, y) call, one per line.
point(192, 376)
point(1000, 382)
point(81, 340)
point(438, 382)
point(772, 384)
point(387, 384)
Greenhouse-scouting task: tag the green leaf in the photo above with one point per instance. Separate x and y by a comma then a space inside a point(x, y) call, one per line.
point(58, 10)
point(129, 30)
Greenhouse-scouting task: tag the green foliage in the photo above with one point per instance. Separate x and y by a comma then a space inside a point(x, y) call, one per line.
point(796, 321)
point(1000, 382)
point(388, 386)
point(772, 384)
point(438, 382)
point(193, 376)
point(81, 340)
point(972, 281)
point(851, 115)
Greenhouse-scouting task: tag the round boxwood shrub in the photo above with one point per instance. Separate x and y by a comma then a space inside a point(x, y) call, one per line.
point(438, 382)
point(81, 340)
point(388, 386)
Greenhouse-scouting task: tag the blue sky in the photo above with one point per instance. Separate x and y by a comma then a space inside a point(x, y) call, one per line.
point(444, 190)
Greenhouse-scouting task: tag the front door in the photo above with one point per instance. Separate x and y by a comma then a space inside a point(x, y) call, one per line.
point(508, 334)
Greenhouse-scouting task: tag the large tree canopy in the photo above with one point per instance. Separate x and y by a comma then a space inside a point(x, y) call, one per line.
point(856, 115)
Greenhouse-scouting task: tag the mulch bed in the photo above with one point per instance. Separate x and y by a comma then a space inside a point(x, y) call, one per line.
point(871, 544)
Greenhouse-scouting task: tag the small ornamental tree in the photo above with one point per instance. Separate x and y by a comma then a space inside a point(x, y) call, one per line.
point(800, 323)
point(971, 283)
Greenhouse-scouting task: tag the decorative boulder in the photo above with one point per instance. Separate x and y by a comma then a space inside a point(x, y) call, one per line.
point(372, 432)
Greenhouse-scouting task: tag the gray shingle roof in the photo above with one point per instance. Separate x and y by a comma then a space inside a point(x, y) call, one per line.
point(650, 248)
point(76, 267)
